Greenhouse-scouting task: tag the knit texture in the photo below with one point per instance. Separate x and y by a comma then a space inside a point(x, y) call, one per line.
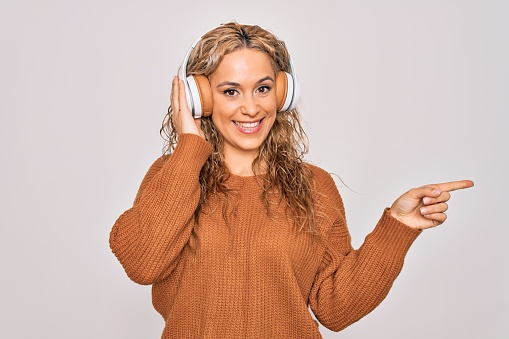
point(246, 273)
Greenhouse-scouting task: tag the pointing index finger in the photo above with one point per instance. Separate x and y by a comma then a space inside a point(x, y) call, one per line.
point(453, 185)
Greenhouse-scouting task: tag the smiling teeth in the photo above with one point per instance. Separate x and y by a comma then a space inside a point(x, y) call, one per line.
point(247, 124)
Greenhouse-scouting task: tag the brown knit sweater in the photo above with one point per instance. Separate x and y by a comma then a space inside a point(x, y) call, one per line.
point(248, 274)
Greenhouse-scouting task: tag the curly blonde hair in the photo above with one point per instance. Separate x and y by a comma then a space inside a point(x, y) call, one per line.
point(281, 155)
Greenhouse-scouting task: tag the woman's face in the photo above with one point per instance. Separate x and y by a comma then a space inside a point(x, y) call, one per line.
point(244, 100)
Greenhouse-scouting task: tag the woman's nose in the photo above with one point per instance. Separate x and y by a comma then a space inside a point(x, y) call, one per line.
point(250, 106)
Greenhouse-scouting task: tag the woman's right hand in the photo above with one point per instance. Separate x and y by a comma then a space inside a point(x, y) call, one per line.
point(183, 119)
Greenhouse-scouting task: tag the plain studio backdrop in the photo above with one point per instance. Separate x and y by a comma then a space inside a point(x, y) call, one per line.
point(395, 94)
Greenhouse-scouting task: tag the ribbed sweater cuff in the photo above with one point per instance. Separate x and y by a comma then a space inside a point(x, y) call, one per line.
point(191, 152)
point(393, 233)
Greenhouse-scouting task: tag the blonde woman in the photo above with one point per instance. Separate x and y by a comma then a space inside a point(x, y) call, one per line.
point(236, 233)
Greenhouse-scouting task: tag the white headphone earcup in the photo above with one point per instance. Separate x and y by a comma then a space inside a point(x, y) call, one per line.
point(286, 92)
point(296, 93)
point(193, 97)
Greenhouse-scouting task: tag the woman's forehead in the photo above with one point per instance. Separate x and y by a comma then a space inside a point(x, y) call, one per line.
point(245, 64)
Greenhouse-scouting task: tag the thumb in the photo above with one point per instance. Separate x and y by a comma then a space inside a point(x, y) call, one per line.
point(424, 191)
point(197, 122)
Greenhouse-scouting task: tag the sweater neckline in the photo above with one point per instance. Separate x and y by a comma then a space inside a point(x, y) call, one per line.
point(256, 179)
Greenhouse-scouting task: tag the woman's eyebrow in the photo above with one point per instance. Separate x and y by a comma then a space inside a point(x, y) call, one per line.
point(264, 79)
point(229, 83)
point(236, 84)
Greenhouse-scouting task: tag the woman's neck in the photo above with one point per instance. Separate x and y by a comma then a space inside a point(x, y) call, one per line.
point(241, 163)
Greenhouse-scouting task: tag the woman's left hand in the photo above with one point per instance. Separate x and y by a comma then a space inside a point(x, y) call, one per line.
point(424, 207)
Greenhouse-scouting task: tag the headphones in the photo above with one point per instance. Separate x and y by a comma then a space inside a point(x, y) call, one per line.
point(199, 93)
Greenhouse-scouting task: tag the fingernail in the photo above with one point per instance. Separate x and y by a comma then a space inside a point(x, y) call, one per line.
point(426, 200)
point(423, 210)
point(437, 191)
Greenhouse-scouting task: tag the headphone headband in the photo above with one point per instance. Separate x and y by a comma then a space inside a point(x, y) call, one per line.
point(183, 76)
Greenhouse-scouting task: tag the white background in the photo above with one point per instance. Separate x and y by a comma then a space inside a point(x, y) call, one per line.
point(395, 94)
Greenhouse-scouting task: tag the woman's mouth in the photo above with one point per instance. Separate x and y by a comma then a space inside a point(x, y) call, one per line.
point(248, 127)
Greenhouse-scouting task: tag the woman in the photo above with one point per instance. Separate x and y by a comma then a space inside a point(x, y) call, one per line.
point(234, 231)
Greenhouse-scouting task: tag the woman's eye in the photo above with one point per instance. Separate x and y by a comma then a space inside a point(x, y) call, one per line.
point(230, 92)
point(264, 89)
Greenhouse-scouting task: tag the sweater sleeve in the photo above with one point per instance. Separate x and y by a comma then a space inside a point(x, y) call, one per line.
point(351, 283)
point(148, 238)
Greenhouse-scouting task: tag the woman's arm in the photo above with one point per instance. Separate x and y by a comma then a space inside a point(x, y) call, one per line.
point(351, 283)
point(148, 238)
